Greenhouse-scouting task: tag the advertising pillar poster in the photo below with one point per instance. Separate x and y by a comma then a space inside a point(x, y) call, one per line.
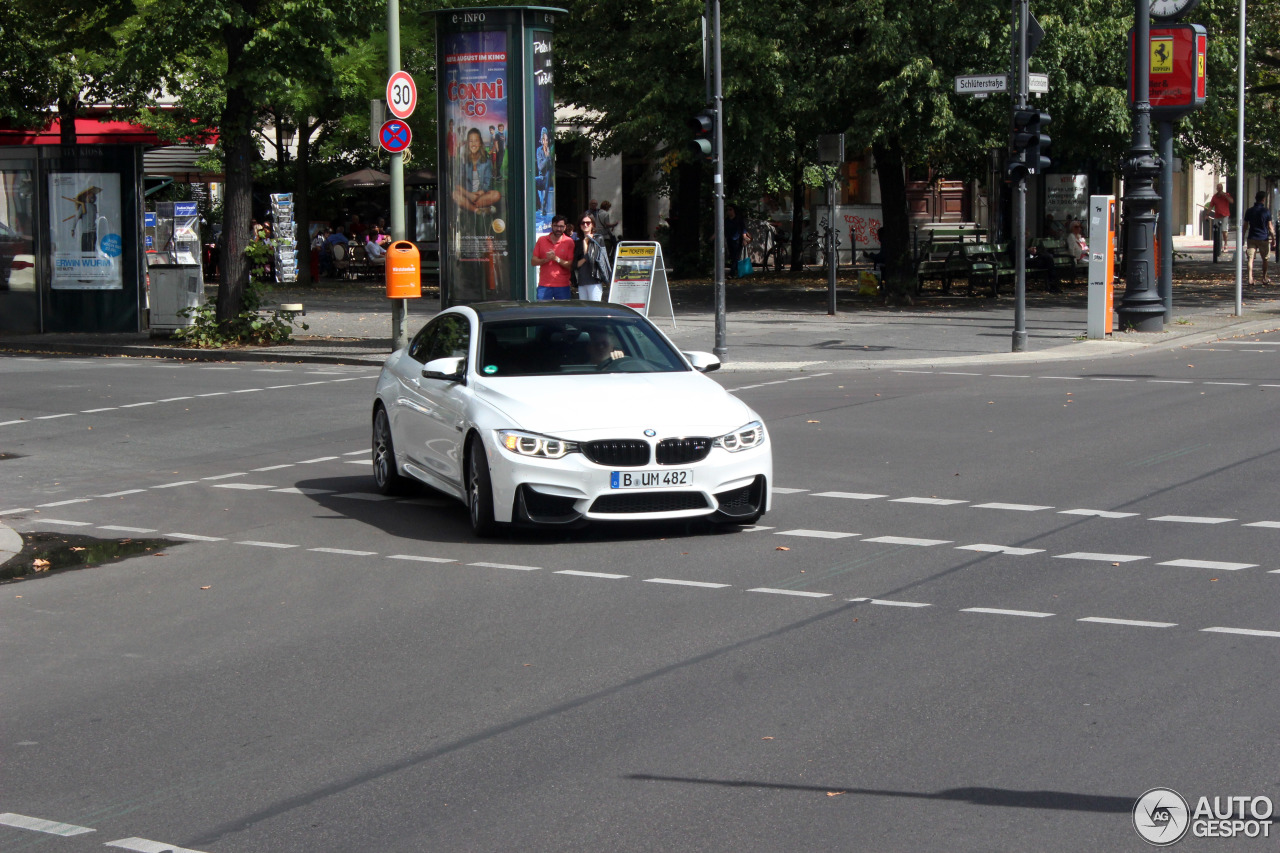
point(475, 175)
point(544, 151)
point(84, 221)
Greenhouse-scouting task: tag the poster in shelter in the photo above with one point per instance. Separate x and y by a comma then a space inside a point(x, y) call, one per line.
point(85, 226)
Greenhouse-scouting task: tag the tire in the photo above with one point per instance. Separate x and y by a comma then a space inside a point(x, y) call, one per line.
point(385, 476)
point(479, 490)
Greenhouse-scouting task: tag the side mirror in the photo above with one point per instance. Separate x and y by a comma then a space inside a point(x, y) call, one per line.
point(450, 369)
point(703, 362)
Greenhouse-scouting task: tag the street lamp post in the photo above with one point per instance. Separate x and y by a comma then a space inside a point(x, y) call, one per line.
point(1141, 309)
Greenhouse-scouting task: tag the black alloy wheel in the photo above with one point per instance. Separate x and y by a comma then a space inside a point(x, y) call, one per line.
point(385, 476)
point(479, 489)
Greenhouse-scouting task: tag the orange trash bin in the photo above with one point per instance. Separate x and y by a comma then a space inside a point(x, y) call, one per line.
point(404, 271)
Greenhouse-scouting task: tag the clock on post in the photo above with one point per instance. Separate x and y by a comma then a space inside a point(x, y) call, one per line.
point(1171, 10)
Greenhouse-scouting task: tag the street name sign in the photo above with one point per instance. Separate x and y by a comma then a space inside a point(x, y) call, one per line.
point(981, 84)
point(984, 84)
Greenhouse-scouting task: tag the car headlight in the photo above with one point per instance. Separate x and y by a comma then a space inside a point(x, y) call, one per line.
point(531, 444)
point(742, 438)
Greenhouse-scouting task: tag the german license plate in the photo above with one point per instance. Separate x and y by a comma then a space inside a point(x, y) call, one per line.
point(650, 479)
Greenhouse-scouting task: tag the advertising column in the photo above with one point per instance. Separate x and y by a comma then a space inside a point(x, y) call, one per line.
point(496, 154)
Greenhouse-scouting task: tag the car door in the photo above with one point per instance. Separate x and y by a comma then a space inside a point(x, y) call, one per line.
point(410, 408)
point(440, 422)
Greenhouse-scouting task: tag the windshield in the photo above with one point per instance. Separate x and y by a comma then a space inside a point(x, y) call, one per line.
point(562, 345)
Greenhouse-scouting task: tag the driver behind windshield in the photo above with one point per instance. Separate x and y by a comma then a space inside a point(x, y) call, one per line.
point(602, 348)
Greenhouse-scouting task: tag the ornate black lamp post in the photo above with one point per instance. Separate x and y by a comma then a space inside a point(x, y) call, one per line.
point(1141, 308)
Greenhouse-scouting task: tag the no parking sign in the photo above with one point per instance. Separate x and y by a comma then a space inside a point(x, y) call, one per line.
point(395, 136)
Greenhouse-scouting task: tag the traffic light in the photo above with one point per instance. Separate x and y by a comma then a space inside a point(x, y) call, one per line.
point(1028, 142)
point(703, 126)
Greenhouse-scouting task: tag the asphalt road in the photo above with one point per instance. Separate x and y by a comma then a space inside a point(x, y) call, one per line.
point(987, 612)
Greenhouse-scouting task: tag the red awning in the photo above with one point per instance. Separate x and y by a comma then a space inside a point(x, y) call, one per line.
point(89, 131)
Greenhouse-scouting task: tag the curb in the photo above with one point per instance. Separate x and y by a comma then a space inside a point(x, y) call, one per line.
point(10, 543)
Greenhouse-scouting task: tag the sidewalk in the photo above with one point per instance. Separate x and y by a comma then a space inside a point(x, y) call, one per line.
point(778, 323)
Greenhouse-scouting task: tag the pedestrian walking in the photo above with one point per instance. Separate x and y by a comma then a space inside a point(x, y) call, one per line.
point(1260, 234)
point(591, 259)
point(735, 237)
point(554, 254)
point(1220, 210)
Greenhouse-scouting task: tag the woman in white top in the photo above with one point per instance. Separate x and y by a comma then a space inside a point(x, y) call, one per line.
point(1076, 246)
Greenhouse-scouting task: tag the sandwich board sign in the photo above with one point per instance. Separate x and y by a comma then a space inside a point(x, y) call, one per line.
point(640, 279)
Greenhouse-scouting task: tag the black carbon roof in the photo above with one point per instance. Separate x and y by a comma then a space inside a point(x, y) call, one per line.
point(490, 312)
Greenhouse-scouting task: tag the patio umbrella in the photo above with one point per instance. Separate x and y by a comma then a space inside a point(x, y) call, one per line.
point(361, 179)
point(420, 178)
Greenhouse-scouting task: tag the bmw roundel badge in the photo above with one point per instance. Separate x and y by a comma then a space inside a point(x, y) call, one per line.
point(650, 433)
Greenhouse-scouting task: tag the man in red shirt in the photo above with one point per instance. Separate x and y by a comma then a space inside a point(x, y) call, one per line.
point(554, 254)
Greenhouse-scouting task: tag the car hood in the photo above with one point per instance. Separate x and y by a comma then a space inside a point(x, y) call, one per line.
point(572, 406)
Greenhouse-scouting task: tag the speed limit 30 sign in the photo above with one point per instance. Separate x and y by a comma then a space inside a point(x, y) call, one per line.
point(402, 95)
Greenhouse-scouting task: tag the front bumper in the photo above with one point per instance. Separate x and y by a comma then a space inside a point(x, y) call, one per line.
point(573, 489)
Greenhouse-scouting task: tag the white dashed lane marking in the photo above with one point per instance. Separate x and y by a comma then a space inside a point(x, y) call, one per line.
point(143, 845)
point(1099, 513)
point(51, 827)
point(179, 399)
point(995, 611)
point(886, 602)
point(1013, 507)
point(852, 496)
point(1248, 632)
point(796, 592)
point(1101, 558)
point(1262, 524)
point(1209, 564)
point(929, 501)
point(907, 540)
point(1137, 623)
point(122, 529)
point(1193, 519)
point(1000, 549)
point(605, 575)
point(247, 487)
point(65, 503)
point(815, 534)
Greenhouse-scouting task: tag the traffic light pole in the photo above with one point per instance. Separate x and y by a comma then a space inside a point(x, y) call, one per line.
point(1141, 309)
point(720, 349)
point(1023, 14)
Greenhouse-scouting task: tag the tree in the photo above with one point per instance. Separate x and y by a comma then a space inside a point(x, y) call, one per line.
point(220, 58)
point(57, 52)
point(1209, 135)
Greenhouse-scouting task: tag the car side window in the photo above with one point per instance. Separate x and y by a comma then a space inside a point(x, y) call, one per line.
point(452, 338)
point(418, 347)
